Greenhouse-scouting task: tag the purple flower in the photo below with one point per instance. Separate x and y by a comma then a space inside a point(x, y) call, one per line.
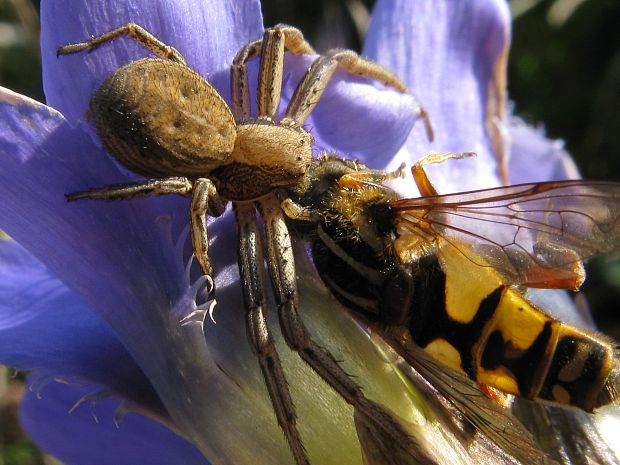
point(94, 292)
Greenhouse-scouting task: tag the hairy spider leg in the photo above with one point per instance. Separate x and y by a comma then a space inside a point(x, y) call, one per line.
point(299, 339)
point(205, 200)
point(250, 244)
point(281, 260)
point(271, 49)
point(133, 31)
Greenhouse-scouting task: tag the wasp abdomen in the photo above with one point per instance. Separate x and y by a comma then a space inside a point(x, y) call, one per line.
point(503, 340)
point(584, 371)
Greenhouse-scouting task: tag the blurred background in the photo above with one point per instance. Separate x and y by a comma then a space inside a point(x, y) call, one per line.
point(564, 74)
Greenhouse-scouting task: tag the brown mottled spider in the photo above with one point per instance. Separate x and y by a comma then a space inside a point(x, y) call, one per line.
point(161, 119)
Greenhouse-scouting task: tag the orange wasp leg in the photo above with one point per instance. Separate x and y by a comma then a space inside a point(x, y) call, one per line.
point(370, 177)
point(427, 189)
point(420, 177)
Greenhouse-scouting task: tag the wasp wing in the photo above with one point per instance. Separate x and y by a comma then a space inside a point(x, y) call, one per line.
point(573, 433)
point(536, 235)
point(504, 434)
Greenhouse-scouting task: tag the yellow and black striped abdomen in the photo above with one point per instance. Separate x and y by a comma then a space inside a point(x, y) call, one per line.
point(467, 318)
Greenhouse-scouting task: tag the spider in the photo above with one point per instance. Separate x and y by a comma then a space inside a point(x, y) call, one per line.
point(161, 119)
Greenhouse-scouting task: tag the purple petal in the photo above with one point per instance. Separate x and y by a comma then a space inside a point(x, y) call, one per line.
point(46, 328)
point(89, 435)
point(535, 158)
point(42, 160)
point(359, 120)
point(450, 54)
point(207, 33)
point(119, 258)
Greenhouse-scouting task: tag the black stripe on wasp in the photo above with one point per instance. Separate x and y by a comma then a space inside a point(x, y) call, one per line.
point(439, 281)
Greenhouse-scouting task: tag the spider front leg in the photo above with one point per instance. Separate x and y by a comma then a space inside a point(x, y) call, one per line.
point(311, 88)
point(129, 190)
point(205, 202)
point(132, 30)
point(271, 50)
point(282, 270)
point(251, 269)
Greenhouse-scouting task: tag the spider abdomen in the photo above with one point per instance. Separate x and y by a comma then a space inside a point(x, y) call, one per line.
point(160, 118)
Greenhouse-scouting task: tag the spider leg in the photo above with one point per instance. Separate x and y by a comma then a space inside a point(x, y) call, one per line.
point(271, 50)
point(173, 185)
point(132, 30)
point(311, 88)
point(239, 86)
point(251, 269)
point(282, 269)
point(275, 40)
point(205, 201)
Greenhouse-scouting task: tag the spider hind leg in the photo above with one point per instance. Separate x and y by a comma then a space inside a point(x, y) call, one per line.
point(135, 32)
point(251, 269)
point(282, 271)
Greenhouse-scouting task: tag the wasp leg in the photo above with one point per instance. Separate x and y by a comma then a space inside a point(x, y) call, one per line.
point(205, 201)
point(173, 185)
point(420, 177)
point(132, 30)
point(271, 50)
point(261, 341)
point(282, 269)
point(369, 177)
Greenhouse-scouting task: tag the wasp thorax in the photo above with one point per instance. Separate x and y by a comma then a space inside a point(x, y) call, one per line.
point(160, 118)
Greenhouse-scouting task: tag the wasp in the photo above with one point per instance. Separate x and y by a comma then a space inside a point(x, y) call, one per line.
point(441, 278)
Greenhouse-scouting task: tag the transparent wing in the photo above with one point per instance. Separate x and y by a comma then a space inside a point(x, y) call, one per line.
point(492, 422)
point(579, 437)
point(536, 235)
